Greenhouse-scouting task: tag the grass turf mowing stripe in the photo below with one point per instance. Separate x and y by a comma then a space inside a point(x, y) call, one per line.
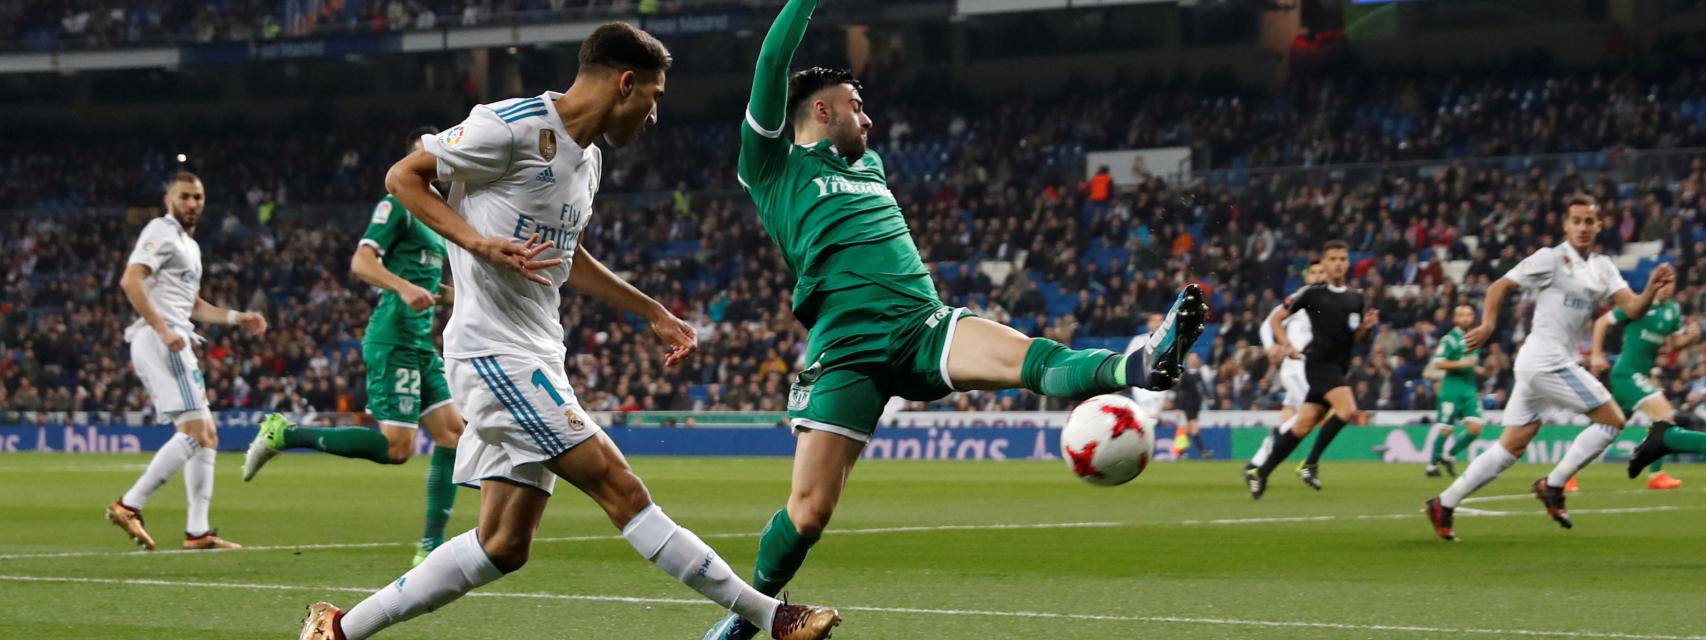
point(1463, 511)
point(1053, 615)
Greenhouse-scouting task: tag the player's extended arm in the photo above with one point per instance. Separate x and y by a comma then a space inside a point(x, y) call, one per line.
point(592, 278)
point(410, 181)
point(1635, 306)
point(1490, 313)
point(1369, 319)
point(208, 313)
point(365, 264)
point(770, 83)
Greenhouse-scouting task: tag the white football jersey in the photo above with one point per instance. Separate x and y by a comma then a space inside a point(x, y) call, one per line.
point(1297, 329)
point(514, 172)
point(174, 280)
point(1568, 289)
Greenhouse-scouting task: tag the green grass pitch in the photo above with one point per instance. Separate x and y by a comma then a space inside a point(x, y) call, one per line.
point(919, 550)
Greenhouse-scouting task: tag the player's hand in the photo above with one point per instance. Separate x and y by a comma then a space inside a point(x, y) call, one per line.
point(174, 341)
point(1372, 317)
point(416, 297)
point(1598, 364)
point(1662, 275)
point(682, 339)
point(517, 256)
point(252, 322)
point(1477, 336)
point(1293, 353)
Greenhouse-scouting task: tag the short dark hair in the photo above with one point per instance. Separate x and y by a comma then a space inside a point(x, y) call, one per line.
point(807, 83)
point(1335, 244)
point(624, 47)
point(416, 133)
point(1582, 200)
point(182, 176)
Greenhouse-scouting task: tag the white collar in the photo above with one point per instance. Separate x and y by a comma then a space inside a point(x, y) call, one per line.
point(1571, 251)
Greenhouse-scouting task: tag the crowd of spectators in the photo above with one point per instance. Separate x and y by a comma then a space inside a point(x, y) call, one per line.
point(709, 261)
point(113, 23)
point(992, 191)
point(935, 134)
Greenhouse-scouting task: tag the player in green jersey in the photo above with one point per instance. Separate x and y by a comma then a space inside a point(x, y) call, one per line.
point(876, 326)
point(406, 388)
point(1459, 402)
point(1631, 384)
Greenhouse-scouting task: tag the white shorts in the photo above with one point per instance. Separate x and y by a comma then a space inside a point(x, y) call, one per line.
point(173, 379)
point(520, 412)
point(1569, 389)
point(1295, 383)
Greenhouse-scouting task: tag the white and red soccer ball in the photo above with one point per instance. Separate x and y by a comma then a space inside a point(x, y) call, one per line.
point(1108, 440)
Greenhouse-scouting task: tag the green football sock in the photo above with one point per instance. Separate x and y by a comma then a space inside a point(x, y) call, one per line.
point(1656, 467)
point(1679, 439)
point(1464, 439)
point(349, 442)
point(1058, 372)
point(781, 551)
point(440, 496)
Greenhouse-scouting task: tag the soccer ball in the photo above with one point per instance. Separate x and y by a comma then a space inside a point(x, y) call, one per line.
point(1108, 440)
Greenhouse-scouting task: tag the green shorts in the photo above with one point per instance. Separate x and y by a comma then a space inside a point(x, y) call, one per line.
point(1629, 389)
point(403, 383)
point(1458, 406)
point(868, 345)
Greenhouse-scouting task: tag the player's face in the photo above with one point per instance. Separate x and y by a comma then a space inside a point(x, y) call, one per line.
point(1581, 224)
point(1464, 317)
point(1336, 263)
point(1155, 320)
point(849, 127)
point(1314, 274)
point(185, 200)
point(636, 106)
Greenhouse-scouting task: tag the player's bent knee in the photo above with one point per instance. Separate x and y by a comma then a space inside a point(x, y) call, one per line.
point(508, 553)
point(811, 516)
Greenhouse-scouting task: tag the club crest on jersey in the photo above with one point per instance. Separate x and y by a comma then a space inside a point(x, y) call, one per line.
point(548, 144)
point(453, 136)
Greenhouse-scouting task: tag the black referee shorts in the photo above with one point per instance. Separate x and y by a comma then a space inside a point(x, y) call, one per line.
point(1322, 378)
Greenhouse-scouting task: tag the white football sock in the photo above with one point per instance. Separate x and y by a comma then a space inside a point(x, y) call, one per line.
point(454, 568)
point(165, 464)
point(1584, 450)
point(1486, 466)
point(198, 488)
point(1267, 447)
point(683, 555)
point(1432, 440)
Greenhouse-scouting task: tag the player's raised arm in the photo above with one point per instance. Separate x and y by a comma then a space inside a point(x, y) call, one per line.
point(1634, 307)
point(762, 147)
point(1597, 362)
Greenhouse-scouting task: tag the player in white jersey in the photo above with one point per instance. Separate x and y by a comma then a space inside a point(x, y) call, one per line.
point(162, 280)
point(523, 174)
point(1291, 374)
point(1568, 283)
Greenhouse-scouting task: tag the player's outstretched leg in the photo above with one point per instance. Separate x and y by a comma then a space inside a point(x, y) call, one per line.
point(1464, 436)
point(1431, 448)
point(278, 433)
point(126, 512)
point(1664, 438)
point(1483, 470)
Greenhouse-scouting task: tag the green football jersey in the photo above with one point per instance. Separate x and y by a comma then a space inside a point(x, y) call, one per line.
point(414, 252)
point(1642, 338)
point(1451, 347)
point(836, 222)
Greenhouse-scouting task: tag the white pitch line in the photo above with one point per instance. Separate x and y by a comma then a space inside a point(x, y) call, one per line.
point(1047, 615)
point(1530, 496)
